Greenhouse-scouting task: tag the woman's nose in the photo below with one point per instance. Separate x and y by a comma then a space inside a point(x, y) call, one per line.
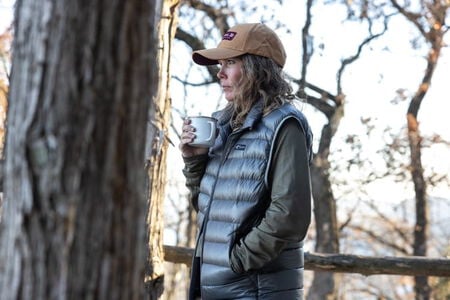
point(220, 74)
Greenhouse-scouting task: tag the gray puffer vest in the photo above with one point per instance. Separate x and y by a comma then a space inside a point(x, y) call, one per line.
point(233, 186)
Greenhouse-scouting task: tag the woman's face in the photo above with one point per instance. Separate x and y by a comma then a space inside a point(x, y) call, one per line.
point(230, 74)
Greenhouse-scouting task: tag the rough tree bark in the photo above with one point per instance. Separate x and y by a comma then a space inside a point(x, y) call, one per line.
point(73, 223)
point(156, 152)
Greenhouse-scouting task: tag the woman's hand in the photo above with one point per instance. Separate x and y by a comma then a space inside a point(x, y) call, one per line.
point(187, 136)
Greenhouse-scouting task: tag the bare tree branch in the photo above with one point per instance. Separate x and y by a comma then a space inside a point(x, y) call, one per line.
point(349, 60)
point(184, 82)
point(196, 44)
point(379, 238)
point(387, 220)
point(412, 17)
point(307, 49)
point(217, 15)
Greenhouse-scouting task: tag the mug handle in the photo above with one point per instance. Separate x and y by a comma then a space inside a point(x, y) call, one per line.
point(212, 130)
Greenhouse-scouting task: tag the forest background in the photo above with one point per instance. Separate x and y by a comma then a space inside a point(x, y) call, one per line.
point(370, 60)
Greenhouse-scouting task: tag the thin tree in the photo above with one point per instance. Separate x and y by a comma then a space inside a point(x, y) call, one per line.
point(430, 22)
point(325, 284)
point(429, 18)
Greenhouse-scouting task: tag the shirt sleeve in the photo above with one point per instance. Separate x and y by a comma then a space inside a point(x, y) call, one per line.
point(194, 168)
point(289, 213)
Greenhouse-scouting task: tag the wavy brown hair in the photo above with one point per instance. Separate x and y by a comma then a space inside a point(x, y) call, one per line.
point(262, 79)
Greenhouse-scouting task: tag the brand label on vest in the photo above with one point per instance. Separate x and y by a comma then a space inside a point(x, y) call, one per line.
point(240, 147)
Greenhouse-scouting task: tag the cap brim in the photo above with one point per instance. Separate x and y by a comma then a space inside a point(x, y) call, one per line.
point(211, 56)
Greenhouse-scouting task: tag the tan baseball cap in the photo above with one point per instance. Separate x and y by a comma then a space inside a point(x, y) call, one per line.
point(255, 38)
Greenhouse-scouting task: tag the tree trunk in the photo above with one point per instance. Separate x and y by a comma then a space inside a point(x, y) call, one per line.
point(73, 224)
point(324, 284)
point(435, 38)
point(157, 144)
point(422, 288)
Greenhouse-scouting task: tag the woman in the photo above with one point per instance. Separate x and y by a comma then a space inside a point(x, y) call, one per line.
point(252, 188)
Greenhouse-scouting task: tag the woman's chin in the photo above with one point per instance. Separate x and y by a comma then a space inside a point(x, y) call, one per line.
point(229, 98)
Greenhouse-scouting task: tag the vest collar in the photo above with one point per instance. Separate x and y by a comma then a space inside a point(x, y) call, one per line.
point(254, 115)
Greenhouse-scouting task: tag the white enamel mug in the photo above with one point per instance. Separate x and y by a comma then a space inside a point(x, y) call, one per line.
point(205, 131)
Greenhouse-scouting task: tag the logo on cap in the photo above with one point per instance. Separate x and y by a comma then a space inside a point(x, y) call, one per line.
point(229, 35)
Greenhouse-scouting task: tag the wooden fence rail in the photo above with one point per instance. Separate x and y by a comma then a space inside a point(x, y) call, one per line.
point(347, 263)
